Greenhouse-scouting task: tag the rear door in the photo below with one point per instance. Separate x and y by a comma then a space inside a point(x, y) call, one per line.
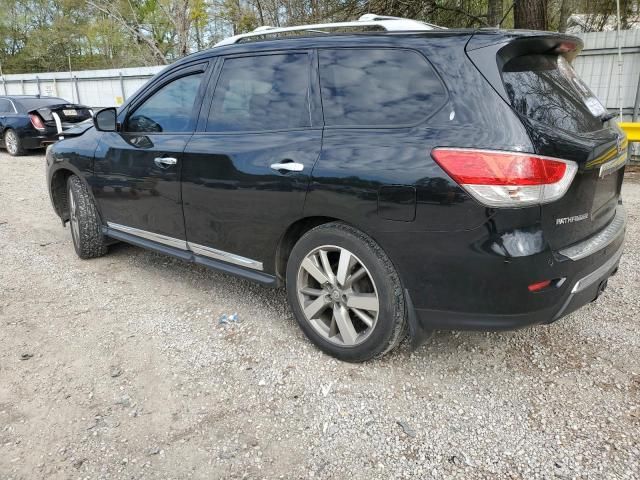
point(137, 169)
point(246, 170)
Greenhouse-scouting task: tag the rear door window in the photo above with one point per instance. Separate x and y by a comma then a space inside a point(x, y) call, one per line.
point(377, 87)
point(547, 89)
point(265, 92)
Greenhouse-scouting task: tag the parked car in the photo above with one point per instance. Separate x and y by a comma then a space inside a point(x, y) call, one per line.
point(33, 121)
point(398, 180)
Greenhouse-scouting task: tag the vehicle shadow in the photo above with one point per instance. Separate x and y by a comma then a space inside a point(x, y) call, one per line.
point(273, 302)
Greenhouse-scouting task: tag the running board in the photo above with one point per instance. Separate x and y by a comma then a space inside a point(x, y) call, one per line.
point(188, 256)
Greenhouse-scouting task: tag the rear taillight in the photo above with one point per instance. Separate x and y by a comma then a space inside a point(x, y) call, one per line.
point(507, 179)
point(36, 121)
point(536, 287)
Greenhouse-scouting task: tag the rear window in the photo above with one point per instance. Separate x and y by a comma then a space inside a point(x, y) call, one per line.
point(547, 89)
point(377, 87)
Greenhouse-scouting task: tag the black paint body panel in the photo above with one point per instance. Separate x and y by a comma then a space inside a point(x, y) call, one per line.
point(463, 265)
point(132, 190)
point(234, 201)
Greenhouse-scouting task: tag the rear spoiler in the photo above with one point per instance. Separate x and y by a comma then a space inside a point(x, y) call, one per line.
point(490, 52)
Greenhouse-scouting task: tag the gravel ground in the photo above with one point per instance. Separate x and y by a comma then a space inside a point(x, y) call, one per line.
point(118, 368)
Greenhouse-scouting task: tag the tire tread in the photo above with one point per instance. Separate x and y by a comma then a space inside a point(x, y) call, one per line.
point(91, 243)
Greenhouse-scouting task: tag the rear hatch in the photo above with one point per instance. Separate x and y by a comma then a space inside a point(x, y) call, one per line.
point(532, 72)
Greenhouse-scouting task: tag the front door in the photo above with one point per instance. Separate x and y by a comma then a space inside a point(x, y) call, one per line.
point(246, 171)
point(137, 169)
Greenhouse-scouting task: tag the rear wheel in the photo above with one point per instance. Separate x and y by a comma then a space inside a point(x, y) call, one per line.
point(345, 293)
point(86, 229)
point(13, 144)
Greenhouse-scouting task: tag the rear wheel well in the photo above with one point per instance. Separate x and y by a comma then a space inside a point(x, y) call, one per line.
point(295, 231)
point(59, 193)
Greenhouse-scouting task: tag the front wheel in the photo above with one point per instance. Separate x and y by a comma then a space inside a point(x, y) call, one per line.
point(345, 293)
point(86, 229)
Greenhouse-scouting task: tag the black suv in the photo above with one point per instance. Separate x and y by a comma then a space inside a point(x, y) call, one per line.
point(394, 182)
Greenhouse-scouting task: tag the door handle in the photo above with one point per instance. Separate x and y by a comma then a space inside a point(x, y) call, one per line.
point(165, 162)
point(288, 166)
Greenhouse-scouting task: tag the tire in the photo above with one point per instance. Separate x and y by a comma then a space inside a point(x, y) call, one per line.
point(13, 144)
point(86, 228)
point(349, 324)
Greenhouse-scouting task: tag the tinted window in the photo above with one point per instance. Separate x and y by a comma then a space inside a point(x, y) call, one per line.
point(377, 87)
point(5, 106)
point(267, 92)
point(170, 109)
point(547, 89)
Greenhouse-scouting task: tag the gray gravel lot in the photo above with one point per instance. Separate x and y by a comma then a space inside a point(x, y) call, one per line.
point(132, 376)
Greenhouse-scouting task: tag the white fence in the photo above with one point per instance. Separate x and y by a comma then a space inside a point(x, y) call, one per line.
point(96, 88)
point(597, 65)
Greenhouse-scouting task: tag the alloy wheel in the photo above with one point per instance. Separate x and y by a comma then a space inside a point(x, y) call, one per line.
point(338, 295)
point(11, 142)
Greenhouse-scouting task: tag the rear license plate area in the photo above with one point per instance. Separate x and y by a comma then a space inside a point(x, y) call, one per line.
point(607, 189)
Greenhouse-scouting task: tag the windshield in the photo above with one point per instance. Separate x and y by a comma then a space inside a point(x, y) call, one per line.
point(546, 88)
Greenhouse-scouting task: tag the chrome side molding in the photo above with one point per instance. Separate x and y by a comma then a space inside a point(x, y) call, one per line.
point(189, 247)
point(224, 256)
point(155, 237)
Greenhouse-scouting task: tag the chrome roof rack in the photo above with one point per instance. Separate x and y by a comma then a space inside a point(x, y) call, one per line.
point(390, 24)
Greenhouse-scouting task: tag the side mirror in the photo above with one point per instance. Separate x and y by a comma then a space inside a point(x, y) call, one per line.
point(105, 120)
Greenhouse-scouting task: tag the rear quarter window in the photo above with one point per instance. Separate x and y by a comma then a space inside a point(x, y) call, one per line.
point(377, 87)
point(547, 89)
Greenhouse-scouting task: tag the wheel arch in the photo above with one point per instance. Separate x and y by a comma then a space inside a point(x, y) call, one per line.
point(58, 189)
point(292, 234)
point(16, 124)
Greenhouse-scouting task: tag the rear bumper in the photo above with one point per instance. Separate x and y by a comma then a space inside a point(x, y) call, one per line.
point(589, 287)
point(585, 289)
point(40, 140)
point(479, 288)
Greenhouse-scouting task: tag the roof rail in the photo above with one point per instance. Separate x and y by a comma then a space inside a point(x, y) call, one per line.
point(390, 24)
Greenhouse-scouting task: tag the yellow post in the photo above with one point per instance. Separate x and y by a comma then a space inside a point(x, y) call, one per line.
point(632, 129)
